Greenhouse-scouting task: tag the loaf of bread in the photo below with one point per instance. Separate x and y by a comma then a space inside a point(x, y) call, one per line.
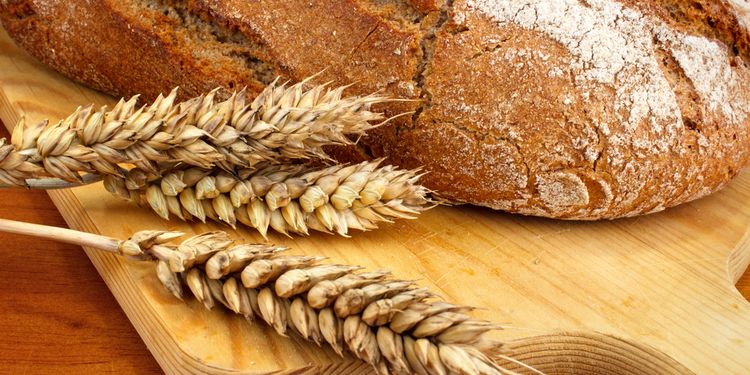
point(573, 109)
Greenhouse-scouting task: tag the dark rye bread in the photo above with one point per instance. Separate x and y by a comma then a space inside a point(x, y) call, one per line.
point(561, 108)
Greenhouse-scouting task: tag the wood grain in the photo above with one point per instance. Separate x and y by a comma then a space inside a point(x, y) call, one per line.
point(56, 314)
point(650, 294)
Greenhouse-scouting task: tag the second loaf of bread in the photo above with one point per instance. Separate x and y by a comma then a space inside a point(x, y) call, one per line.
point(559, 108)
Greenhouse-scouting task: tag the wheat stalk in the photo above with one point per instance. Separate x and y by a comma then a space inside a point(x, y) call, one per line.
point(282, 123)
point(391, 324)
point(286, 198)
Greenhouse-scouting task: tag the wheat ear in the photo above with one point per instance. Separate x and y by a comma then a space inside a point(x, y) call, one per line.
point(288, 199)
point(391, 324)
point(282, 123)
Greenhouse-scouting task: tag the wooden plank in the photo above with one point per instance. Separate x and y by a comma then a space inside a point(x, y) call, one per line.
point(652, 293)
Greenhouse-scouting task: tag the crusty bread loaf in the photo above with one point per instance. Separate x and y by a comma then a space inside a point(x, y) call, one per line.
point(575, 109)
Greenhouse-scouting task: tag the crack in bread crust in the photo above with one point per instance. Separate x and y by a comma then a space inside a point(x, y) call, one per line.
point(427, 47)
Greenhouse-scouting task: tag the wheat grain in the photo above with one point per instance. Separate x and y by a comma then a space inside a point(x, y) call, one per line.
point(410, 331)
point(282, 123)
point(288, 199)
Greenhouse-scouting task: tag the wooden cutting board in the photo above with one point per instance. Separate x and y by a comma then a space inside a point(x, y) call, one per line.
point(652, 294)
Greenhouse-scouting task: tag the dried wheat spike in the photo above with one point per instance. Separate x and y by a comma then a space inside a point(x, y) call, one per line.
point(391, 324)
point(14, 167)
point(282, 123)
point(289, 199)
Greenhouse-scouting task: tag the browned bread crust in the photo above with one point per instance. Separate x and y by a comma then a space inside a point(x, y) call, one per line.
point(558, 108)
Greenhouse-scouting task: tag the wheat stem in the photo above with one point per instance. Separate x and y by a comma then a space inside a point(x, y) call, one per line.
point(60, 234)
point(281, 124)
point(55, 183)
point(388, 323)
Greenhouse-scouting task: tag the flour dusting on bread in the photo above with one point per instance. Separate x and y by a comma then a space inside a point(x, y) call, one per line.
point(614, 45)
point(707, 65)
point(562, 191)
point(742, 8)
